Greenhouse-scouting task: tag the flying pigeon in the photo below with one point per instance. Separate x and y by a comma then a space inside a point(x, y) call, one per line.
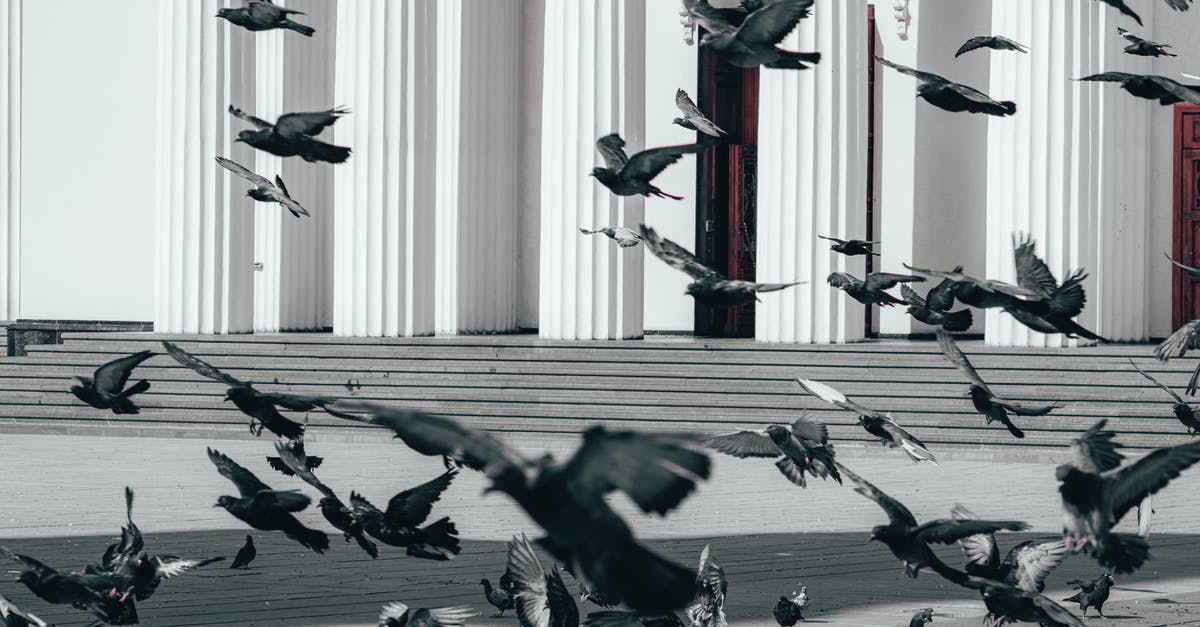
point(870, 291)
point(625, 238)
point(1151, 87)
point(105, 389)
point(950, 96)
point(1144, 47)
point(995, 42)
point(693, 119)
point(260, 15)
point(934, 309)
point(332, 508)
point(264, 190)
point(1024, 566)
point(802, 447)
point(263, 508)
point(1183, 410)
point(850, 247)
point(396, 614)
point(629, 176)
point(292, 135)
point(876, 423)
point(756, 41)
point(541, 598)
point(711, 586)
point(1058, 305)
point(1183, 339)
point(400, 524)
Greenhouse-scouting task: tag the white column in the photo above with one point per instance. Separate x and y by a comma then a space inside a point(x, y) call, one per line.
point(593, 84)
point(812, 177)
point(205, 227)
point(384, 196)
point(478, 82)
point(10, 159)
point(1069, 168)
point(268, 105)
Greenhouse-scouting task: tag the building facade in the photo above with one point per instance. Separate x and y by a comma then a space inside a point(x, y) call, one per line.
point(473, 124)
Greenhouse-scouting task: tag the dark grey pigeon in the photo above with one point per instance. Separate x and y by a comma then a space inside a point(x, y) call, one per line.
point(850, 247)
point(263, 508)
point(1058, 305)
point(926, 311)
point(264, 190)
point(1178, 5)
point(630, 176)
point(246, 554)
point(995, 42)
point(105, 389)
point(950, 96)
point(1091, 593)
point(803, 447)
point(1144, 47)
point(756, 41)
point(980, 293)
point(292, 135)
point(260, 15)
point(1151, 87)
point(870, 291)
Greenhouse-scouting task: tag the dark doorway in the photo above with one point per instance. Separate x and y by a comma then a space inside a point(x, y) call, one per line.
point(872, 119)
point(1187, 212)
point(725, 226)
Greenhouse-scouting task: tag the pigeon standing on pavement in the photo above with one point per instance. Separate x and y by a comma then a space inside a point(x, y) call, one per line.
point(950, 96)
point(870, 291)
point(105, 389)
point(709, 287)
point(1091, 593)
point(995, 42)
point(629, 176)
point(790, 610)
point(293, 135)
point(693, 119)
point(260, 15)
point(756, 41)
point(264, 190)
point(246, 554)
point(850, 247)
point(263, 508)
point(1143, 47)
point(501, 597)
point(921, 617)
point(625, 238)
point(1183, 409)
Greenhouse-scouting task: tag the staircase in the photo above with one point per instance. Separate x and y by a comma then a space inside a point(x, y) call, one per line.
point(523, 384)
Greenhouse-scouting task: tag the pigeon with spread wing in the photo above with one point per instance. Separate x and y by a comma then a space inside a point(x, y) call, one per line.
point(1024, 566)
point(801, 448)
point(756, 41)
point(693, 119)
point(400, 524)
point(1183, 409)
point(629, 176)
point(332, 508)
point(850, 247)
point(260, 15)
point(877, 423)
point(870, 291)
point(1054, 312)
point(995, 42)
point(1151, 87)
point(265, 509)
point(541, 598)
point(105, 389)
point(625, 238)
point(293, 135)
point(396, 614)
point(264, 190)
point(945, 94)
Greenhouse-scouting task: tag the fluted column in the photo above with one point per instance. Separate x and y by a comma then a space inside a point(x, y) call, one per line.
point(268, 245)
point(478, 82)
point(593, 84)
point(10, 159)
point(205, 227)
point(812, 173)
point(384, 196)
point(1068, 168)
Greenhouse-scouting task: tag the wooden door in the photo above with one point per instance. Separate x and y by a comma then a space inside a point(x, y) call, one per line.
point(1187, 212)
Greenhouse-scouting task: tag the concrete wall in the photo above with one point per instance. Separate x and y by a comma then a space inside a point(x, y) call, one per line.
point(87, 161)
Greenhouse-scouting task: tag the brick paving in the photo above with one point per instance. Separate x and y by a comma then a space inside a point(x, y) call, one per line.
point(63, 504)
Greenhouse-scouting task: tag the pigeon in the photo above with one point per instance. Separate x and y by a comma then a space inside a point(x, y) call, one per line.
point(587, 594)
point(1053, 312)
point(1151, 87)
point(801, 448)
point(709, 287)
point(995, 42)
point(1178, 5)
point(909, 541)
point(13, 616)
point(656, 470)
point(790, 610)
point(876, 423)
point(693, 119)
point(332, 508)
point(296, 448)
point(984, 294)
point(260, 406)
point(105, 389)
point(117, 555)
point(245, 555)
point(1006, 603)
point(1185, 338)
point(927, 309)
point(711, 585)
point(292, 135)
point(625, 238)
point(264, 190)
point(263, 508)
point(396, 614)
point(260, 15)
point(541, 598)
point(1091, 593)
point(870, 291)
point(95, 593)
point(756, 41)
point(1183, 410)
point(629, 176)
point(400, 524)
point(1097, 492)
point(619, 618)
point(1025, 566)
point(950, 96)
point(502, 598)
point(1143, 47)
point(992, 407)
point(1193, 273)
point(851, 247)
point(921, 617)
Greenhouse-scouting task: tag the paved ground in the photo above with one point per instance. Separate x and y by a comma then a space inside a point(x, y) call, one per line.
point(62, 503)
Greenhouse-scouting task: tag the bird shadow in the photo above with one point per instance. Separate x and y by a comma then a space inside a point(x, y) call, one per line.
point(1118, 617)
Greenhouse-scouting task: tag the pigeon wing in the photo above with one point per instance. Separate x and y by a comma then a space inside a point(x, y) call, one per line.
point(1185, 338)
point(656, 470)
point(169, 566)
point(770, 24)
point(1183, 92)
point(648, 164)
point(1052, 609)
point(311, 123)
point(242, 115)
point(707, 16)
point(113, 376)
point(201, 367)
point(941, 297)
point(830, 395)
point(1034, 562)
point(685, 104)
point(612, 150)
point(1032, 271)
point(742, 443)
point(948, 531)
point(1095, 451)
point(973, 43)
point(911, 297)
point(808, 428)
point(442, 616)
point(529, 582)
point(9, 611)
point(979, 549)
point(41, 570)
point(1129, 485)
point(677, 256)
point(247, 484)
point(955, 355)
point(927, 77)
point(412, 506)
point(256, 180)
point(1178, 399)
point(1179, 5)
point(887, 280)
point(1185, 267)
point(895, 510)
point(298, 466)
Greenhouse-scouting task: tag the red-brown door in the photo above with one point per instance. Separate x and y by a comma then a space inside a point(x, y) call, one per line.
point(1187, 211)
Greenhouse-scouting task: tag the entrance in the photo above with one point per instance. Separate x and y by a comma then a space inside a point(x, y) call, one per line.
point(1187, 213)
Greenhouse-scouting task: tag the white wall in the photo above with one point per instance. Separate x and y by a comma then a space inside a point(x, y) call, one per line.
point(87, 161)
point(670, 65)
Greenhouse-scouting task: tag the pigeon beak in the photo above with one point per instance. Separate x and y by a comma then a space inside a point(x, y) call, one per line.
point(216, 504)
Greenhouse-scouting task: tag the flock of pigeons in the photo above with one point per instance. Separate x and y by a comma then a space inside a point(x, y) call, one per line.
point(657, 471)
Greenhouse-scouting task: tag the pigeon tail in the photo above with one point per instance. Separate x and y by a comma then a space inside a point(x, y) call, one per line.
point(957, 321)
point(311, 538)
point(367, 545)
point(320, 151)
point(1009, 107)
point(439, 542)
point(307, 31)
point(658, 193)
point(136, 388)
point(795, 60)
point(1123, 552)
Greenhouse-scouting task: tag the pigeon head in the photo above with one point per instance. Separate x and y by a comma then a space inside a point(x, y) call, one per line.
point(606, 176)
point(778, 434)
point(240, 393)
point(246, 136)
point(978, 393)
point(225, 13)
point(694, 288)
point(680, 122)
point(880, 533)
point(225, 501)
point(259, 194)
point(29, 578)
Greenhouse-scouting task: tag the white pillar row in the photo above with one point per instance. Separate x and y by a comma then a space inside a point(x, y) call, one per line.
point(593, 83)
point(812, 178)
point(204, 224)
point(478, 83)
point(10, 159)
point(384, 196)
point(268, 247)
point(1059, 169)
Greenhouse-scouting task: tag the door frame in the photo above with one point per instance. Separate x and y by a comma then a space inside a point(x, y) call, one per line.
point(1182, 292)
